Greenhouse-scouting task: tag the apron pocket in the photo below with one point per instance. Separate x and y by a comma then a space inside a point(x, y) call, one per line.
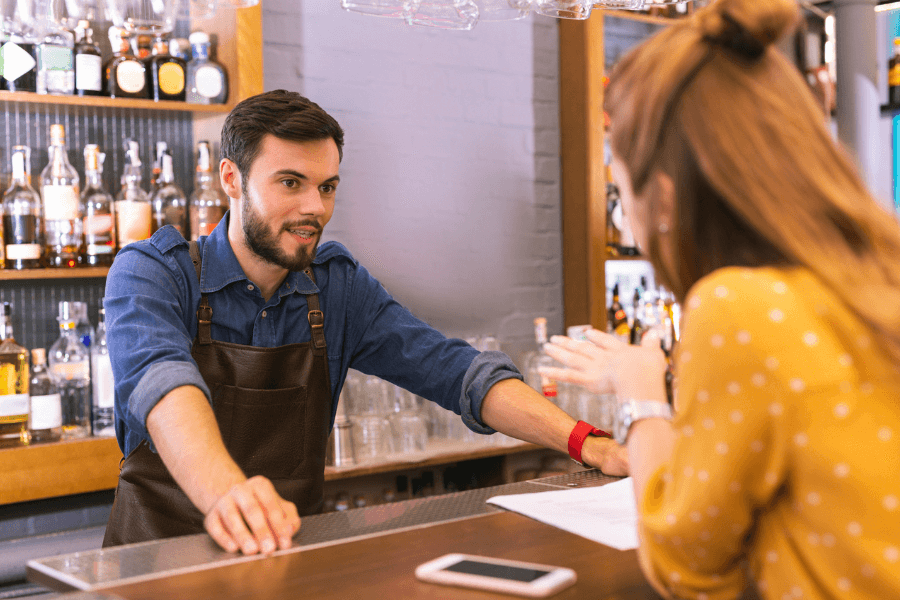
point(263, 430)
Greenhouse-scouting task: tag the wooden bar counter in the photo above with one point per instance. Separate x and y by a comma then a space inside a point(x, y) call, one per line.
point(363, 553)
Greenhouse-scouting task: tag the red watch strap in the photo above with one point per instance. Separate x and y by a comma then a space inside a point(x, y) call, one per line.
point(576, 439)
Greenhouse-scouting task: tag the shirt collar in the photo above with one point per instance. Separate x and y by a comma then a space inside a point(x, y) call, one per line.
point(221, 267)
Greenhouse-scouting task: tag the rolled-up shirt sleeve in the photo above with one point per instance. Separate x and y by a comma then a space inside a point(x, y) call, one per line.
point(487, 369)
point(146, 301)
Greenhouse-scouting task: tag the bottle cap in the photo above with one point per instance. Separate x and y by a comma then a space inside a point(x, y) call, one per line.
point(198, 37)
point(91, 157)
point(57, 135)
point(38, 356)
point(6, 309)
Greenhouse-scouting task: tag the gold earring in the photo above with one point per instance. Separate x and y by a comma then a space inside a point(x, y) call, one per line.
point(663, 227)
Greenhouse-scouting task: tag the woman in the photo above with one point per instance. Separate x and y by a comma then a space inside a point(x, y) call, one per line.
point(782, 462)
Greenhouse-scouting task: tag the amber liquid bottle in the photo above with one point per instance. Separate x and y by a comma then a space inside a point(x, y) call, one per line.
point(14, 379)
point(894, 76)
point(165, 73)
point(124, 75)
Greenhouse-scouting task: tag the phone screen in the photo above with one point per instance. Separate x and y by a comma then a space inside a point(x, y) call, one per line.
point(472, 567)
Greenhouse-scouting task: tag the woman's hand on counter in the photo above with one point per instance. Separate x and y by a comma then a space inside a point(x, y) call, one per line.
point(253, 518)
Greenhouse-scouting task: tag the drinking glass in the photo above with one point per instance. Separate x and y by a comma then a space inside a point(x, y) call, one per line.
point(372, 439)
point(340, 445)
point(397, 9)
point(503, 10)
point(566, 9)
point(196, 9)
point(622, 4)
point(410, 432)
point(143, 17)
point(443, 14)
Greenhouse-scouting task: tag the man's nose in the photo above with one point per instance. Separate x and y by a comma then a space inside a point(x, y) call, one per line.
point(311, 203)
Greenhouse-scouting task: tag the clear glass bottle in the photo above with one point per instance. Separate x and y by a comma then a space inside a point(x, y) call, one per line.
point(45, 421)
point(156, 171)
point(208, 202)
point(88, 62)
point(18, 54)
point(63, 219)
point(539, 358)
point(166, 74)
point(55, 56)
point(133, 209)
point(207, 82)
point(23, 220)
point(102, 382)
point(99, 214)
point(169, 201)
point(125, 75)
point(70, 368)
point(14, 377)
point(84, 329)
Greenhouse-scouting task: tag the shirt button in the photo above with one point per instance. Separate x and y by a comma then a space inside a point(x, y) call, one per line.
point(264, 314)
point(250, 287)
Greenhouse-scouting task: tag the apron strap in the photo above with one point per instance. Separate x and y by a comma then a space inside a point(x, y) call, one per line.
point(316, 319)
point(204, 313)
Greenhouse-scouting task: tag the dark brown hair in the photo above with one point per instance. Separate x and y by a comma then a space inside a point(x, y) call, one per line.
point(286, 115)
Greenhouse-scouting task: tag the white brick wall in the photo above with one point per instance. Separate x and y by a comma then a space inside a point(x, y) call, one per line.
point(450, 181)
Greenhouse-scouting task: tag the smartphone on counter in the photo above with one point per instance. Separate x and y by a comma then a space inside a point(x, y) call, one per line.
point(496, 575)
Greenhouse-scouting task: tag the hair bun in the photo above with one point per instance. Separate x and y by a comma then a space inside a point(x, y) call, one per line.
point(747, 27)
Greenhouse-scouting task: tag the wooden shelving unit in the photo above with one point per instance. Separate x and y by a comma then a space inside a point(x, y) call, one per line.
point(38, 274)
point(103, 102)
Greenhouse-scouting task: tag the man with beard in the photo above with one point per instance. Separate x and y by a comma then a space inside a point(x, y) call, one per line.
point(229, 353)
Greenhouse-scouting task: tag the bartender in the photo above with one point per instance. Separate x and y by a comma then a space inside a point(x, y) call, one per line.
point(229, 353)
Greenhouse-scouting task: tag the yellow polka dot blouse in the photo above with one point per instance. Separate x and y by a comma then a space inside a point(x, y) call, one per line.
point(786, 467)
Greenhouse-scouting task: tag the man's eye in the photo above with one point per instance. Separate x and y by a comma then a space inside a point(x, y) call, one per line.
point(289, 183)
point(327, 189)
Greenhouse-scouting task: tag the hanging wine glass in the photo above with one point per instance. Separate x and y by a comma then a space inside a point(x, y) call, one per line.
point(239, 3)
point(145, 17)
point(503, 10)
point(444, 14)
point(566, 9)
point(397, 9)
point(84, 10)
point(621, 4)
point(196, 9)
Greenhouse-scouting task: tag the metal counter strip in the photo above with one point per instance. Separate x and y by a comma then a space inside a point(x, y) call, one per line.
point(97, 569)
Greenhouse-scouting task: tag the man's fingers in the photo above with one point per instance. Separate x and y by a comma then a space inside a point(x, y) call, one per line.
point(218, 533)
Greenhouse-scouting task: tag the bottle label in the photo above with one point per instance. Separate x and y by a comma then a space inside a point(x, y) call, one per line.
point(88, 72)
point(55, 58)
point(209, 82)
point(60, 202)
point(548, 387)
point(102, 379)
point(130, 76)
point(894, 76)
point(171, 78)
point(23, 251)
point(13, 407)
point(97, 249)
point(133, 221)
point(96, 225)
point(71, 370)
point(46, 412)
point(16, 61)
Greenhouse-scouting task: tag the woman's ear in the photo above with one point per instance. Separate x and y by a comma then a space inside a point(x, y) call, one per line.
point(665, 202)
point(230, 178)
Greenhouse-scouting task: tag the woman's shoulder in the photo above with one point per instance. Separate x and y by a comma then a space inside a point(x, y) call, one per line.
point(752, 289)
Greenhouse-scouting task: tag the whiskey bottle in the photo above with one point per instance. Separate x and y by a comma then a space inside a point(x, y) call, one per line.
point(45, 421)
point(62, 205)
point(207, 82)
point(639, 319)
point(169, 201)
point(133, 211)
point(103, 385)
point(165, 73)
point(617, 318)
point(97, 208)
point(23, 220)
point(613, 237)
point(18, 53)
point(55, 58)
point(14, 401)
point(70, 368)
point(124, 74)
point(208, 202)
point(88, 62)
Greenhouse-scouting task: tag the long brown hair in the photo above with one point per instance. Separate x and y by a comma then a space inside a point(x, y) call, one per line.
point(758, 178)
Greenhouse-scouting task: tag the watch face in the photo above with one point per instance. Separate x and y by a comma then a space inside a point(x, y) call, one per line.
point(622, 423)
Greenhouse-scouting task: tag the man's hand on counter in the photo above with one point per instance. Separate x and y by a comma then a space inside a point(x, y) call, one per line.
point(253, 518)
point(606, 455)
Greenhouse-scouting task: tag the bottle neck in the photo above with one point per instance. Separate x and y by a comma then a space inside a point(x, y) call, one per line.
point(7, 333)
point(19, 175)
point(58, 154)
point(200, 51)
point(93, 179)
point(67, 327)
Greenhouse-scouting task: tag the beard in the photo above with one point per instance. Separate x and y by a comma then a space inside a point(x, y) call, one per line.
point(265, 243)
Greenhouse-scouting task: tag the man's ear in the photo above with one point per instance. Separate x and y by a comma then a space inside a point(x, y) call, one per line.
point(230, 178)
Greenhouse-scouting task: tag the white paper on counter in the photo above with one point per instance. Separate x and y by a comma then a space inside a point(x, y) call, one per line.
point(606, 514)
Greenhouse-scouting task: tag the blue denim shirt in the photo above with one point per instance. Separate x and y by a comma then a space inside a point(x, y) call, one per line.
point(152, 295)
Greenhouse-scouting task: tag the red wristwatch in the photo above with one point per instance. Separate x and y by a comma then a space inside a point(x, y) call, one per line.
point(577, 437)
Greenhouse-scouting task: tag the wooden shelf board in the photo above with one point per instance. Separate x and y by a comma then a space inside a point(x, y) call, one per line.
point(638, 16)
point(439, 452)
point(101, 101)
point(610, 256)
point(34, 274)
point(58, 469)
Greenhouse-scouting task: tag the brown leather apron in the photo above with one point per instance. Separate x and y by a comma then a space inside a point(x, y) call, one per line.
point(273, 408)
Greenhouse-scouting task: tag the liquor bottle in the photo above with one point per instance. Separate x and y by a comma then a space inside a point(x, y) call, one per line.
point(18, 54)
point(103, 420)
point(45, 422)
point(207, 82)
point(612, 204)
point(55, 58)
point(142, 46)
point(166, 74)
point(97, 208)
point(626, 246)
point(639, 318)
point(70, 369)
point(125, 75)
point(133, 213)
point(894, 75)
point(14, 377)
point(169, 202)
point(88, 62)
point(617, 318)
point(63, 219)
point(156, 171)
point(180, 48)
point(84, 330)
point(539, 358)
point(208, 202)
point(23, 220)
